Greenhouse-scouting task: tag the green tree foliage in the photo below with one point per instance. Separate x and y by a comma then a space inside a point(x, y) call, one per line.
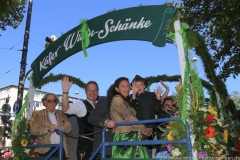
point(235, 96)
point(11, 13)
point(218, 22)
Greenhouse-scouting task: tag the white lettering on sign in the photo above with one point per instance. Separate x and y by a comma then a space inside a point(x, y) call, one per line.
point(47, 61)
point(109, 27)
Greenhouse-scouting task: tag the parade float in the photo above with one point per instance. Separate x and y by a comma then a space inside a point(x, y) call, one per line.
point(212, 134)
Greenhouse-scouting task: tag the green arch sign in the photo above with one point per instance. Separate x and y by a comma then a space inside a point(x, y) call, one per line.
point(146, 23)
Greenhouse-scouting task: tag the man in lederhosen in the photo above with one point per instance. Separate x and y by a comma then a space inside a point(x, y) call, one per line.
point(81, 109)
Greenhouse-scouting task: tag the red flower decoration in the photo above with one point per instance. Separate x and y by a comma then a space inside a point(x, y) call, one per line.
point(238, 148)
point(209, 132)
point(209, 118)
point(238, 140)
point(32, 154)
point(233, 155)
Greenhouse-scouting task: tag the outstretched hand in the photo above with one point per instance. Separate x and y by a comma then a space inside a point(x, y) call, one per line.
point(164, 95)
point(66, 85)
point(135, 88)
point(158, 92)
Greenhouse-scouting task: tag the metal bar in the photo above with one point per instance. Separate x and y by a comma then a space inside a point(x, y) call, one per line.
point(148, 142)
point(57, 146)
point(103, 153)
point(53, 151)
point(103, 145)
point(97, 150)
point(7, 114)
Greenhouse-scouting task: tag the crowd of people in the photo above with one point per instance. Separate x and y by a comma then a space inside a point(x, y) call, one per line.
point(82, 122)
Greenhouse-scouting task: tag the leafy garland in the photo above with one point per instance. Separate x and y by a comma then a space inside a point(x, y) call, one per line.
point(213, 134)
point(196, 42)
point(55, 78)
point(175, 130)
point(175, 78)
point(22, 138)
point(212, 139)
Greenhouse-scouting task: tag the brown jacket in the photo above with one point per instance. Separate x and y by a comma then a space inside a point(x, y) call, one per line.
point(41, 121)
point(122, 112)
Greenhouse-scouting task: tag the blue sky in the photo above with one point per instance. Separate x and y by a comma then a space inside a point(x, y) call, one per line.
point(105, 62)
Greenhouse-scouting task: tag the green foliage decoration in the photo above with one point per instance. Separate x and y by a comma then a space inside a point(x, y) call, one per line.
point(218, 23)
point(174, 78)
point(56, 78)
point(197, 43)
point(20, 135)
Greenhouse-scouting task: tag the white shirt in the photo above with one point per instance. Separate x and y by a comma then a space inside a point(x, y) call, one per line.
point(54, 138)
point(78, 108)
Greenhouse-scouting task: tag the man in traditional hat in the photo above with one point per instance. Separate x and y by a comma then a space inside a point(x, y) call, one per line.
point(146, 104)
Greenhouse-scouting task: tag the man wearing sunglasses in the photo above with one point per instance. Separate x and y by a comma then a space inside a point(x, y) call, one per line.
point(82, 110)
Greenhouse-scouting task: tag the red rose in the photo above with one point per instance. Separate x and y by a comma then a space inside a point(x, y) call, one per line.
point(209, 118)
point(238, 148)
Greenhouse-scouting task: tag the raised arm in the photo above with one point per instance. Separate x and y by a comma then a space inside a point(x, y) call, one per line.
point(66, 85)
point(78, 108)
point(165, 94)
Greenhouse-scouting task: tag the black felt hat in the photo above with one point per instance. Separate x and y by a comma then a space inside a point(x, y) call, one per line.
point(139, 78)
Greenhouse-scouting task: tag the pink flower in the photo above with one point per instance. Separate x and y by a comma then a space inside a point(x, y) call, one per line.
point(32, 142)
point(202, 154)
point(169, 147)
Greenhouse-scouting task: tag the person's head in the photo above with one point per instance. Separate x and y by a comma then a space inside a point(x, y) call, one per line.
point(120, 87)
point(141, 83)
point(91, 90)
point(168, 105)
point(50, 101)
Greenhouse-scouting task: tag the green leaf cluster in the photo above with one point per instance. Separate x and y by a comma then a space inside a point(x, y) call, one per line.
point(11, 13)
point(22, 133)
point(56, 78)
point(218, 23)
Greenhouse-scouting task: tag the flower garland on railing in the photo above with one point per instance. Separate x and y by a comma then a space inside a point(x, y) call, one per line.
point(171, 131)
point(213, 138)
point(22, 138)
point(175, 130)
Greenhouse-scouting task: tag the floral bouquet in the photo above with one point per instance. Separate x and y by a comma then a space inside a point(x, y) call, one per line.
point(173, 130)
point(211, 133)
point(22, 138)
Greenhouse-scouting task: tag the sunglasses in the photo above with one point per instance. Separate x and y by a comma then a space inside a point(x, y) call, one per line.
point(169, 105)
point(51, 100)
